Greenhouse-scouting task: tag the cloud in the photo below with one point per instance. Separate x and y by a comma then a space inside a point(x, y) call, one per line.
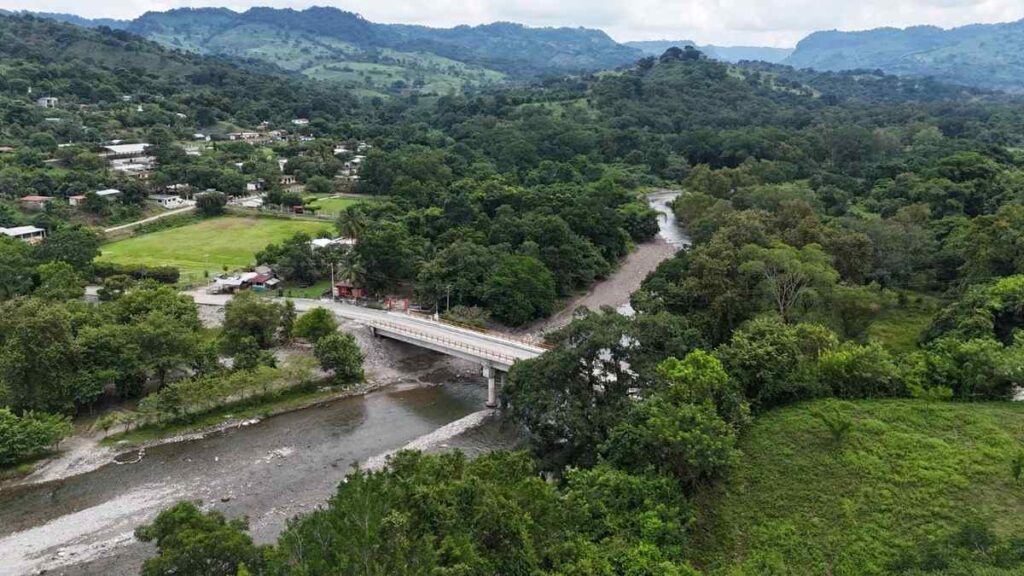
point(761, 22)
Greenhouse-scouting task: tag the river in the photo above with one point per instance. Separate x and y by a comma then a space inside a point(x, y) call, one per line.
point(269, 471)
point(277, 468)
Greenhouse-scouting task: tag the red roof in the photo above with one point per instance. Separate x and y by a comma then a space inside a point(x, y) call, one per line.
point(262, 278)
point(36, 198)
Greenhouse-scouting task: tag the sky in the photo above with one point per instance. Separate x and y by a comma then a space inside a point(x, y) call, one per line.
point(780, 23)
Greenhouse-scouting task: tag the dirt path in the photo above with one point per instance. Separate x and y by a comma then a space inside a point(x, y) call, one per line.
point(616, 290)
point(148, 220)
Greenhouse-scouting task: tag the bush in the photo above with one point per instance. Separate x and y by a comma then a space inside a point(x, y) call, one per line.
point(30, 435)
point(162, 274)
point(340, 354)
point(315, 324)
point(855, 371)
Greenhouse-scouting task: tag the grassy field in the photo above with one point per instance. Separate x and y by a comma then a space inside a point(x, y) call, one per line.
point(334, 206)
point(900, 328)
point(909, 473)
point(208, 245)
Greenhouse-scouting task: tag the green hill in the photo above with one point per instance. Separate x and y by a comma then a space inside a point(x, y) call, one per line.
point(909, 484)
point(330, 44)
point(984, 55)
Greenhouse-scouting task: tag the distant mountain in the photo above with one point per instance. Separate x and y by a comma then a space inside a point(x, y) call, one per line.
point(377, 59)
point(983, 55)
point(72, 19)
point(731, 54)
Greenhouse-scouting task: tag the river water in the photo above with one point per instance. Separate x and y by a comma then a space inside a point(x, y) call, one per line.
point(668, 229)
point(269, 471)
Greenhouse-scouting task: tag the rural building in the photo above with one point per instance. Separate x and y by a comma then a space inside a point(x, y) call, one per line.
point(301, 122)
point(76, 200)
point(29, 234)
point(325, 242)
point(47, 102)
point(254, 186)
point(125, 151)
point(109, 194)
point(35, 202)
point(287, 180)
point(264, 282)
point(348, 291)
point(169, 201)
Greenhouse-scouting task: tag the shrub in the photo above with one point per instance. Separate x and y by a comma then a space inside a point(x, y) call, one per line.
point(32, 434)
point(340, 354)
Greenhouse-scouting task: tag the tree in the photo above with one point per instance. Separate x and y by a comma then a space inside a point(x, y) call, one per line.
point(16, 268)
point(339, 353)
point(192, 543)
point(352, 222)
point(211, 203)
point(294, 259)
point(519, 289)
point(387, 254)
point(689, 441)
point(789, 276)
point(59, 281)
point(38, 357)
point(249, 315)
point(29, 435)
point(315, 324)
point(774, 362)
point(319, 185)
point(72, 244)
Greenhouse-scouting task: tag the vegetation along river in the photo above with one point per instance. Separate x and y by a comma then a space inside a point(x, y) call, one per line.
point(269, 471)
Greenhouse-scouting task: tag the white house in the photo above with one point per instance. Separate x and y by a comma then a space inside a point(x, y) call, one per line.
point(168, 201)
point(47, 102)
point(109, 194)
point(301, 121)
point(325, 242)
point(29, 234)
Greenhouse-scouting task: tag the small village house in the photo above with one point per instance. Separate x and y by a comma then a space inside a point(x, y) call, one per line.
point(110, 194)
point(29, 234)
point(47, 102)
point(33, 202)
point(76, 200)
point(169, 201)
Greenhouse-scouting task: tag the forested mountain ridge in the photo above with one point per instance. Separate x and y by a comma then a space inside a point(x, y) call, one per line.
point(331, 44)
point(985, 55)
point(731, 54)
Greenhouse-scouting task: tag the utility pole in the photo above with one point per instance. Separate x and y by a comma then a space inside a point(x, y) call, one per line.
point(333, 289)
point(448, 299)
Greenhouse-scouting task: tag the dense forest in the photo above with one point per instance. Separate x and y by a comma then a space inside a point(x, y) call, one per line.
point(858, 238)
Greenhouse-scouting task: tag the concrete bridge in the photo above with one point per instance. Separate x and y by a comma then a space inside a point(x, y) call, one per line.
point(496, 353)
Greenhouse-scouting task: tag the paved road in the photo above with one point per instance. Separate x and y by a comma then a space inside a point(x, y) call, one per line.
point(498, 350)
point(148, 220)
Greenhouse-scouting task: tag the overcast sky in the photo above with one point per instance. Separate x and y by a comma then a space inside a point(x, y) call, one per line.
point(729, 22)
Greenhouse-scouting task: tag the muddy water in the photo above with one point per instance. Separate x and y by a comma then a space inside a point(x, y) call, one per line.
point(668, 229)
point(269, 471)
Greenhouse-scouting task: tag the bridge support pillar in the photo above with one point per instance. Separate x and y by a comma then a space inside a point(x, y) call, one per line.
point(492, 386)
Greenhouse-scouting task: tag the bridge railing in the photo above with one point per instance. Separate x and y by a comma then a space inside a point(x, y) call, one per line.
point(449, 342)
point(536, 343)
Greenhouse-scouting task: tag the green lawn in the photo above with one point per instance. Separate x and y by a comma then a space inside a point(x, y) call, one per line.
point(900, 328)
point(208, 245)
point(334, 206)
point(910, 472)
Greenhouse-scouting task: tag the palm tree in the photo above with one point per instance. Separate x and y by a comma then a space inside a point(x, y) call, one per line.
point(352, 222)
